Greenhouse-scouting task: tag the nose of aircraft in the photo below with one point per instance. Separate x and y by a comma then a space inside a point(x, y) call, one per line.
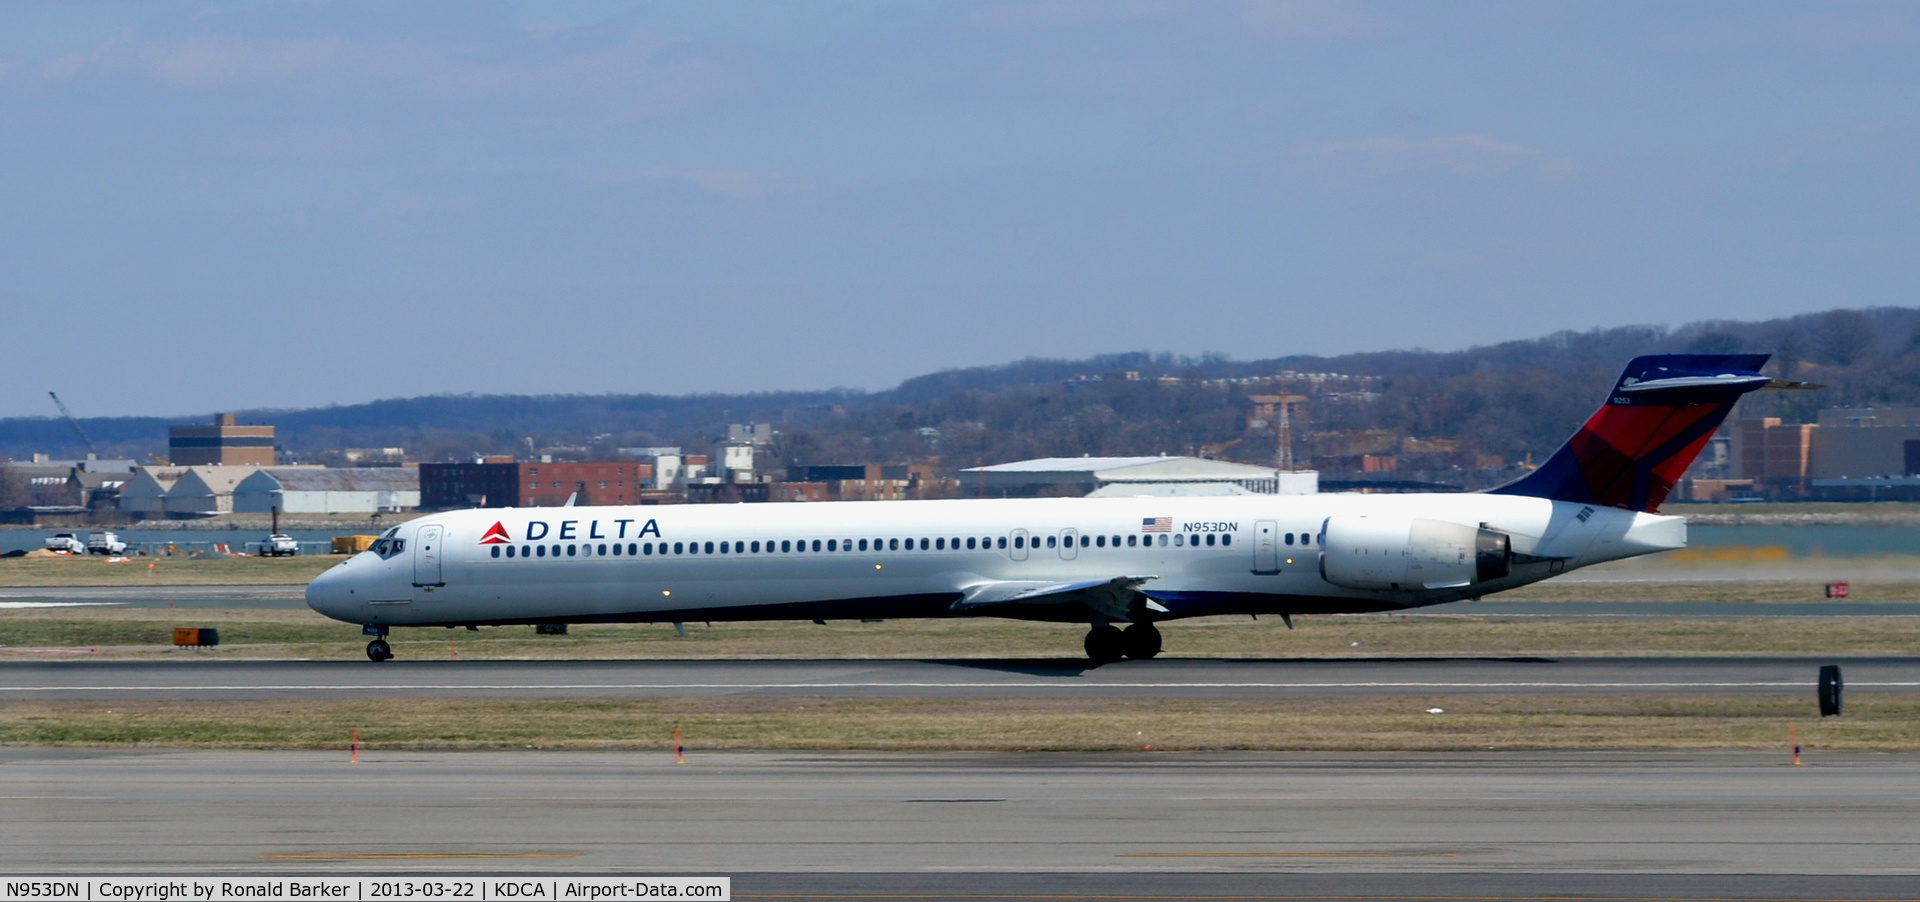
point(330, 593)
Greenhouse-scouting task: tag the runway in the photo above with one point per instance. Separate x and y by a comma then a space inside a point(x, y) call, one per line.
point(944, 679)
point(1293, 825)
point(293, 597)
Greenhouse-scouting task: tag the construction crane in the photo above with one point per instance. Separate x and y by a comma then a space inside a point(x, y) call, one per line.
point(73, 422)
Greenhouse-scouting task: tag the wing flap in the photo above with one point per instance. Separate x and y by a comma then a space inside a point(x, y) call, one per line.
point(1112, 598)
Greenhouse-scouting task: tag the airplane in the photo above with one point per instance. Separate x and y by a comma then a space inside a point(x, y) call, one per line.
point(1100, 561)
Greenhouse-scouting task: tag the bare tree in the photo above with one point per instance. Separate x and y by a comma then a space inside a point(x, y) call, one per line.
point(1845, 337)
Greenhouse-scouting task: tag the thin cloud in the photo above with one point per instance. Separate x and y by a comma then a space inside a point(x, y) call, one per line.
point(731, 182)
point(1468, 155)
point(1313, 18)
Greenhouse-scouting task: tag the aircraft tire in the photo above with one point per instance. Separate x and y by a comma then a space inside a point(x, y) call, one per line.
point(1141, 641)
point(379, 650)
point(1105, 644)
point(1830, 690)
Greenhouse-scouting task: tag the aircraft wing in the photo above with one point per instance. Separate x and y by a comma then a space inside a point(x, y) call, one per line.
point(1113, 598)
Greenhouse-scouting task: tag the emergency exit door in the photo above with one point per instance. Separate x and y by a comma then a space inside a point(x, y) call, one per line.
point(1266, 547)
point(426, 557)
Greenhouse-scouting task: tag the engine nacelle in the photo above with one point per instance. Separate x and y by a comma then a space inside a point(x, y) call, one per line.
point(1409, 553)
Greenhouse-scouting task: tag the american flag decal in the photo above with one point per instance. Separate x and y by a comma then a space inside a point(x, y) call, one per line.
point(1156, 524)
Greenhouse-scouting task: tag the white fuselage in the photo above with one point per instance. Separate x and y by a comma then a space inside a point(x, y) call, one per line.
point(1196, 556)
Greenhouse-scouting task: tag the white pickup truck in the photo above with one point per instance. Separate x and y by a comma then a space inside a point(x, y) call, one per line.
point(103, 542)
point(278, 545)
point(65, 543)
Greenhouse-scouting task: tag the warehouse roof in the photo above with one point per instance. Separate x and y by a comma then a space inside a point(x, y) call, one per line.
point(1134, 469)
point(337, 479)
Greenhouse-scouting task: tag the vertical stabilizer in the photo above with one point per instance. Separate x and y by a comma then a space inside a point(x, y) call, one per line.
point(1632, 451)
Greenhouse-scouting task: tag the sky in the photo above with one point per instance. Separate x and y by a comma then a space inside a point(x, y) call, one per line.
point(227, 205)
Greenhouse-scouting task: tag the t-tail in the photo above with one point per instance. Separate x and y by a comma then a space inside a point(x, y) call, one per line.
point(1661, 412)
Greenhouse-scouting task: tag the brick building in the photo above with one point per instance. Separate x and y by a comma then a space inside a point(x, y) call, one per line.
point(503, 482)
point(222, 443)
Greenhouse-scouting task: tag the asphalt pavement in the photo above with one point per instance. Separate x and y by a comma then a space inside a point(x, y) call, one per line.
point(944, 679)
point(1728, 824)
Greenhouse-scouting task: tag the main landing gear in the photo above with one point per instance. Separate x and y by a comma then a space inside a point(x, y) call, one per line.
point(378, 650)
point(1107, 644)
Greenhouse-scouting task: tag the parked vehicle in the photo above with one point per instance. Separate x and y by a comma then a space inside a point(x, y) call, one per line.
point(279, 545)
point(65, 543)
point(103, 542)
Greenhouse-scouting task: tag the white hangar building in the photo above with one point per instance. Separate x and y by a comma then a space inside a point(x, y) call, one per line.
point(333, 490)
point(1107, 476)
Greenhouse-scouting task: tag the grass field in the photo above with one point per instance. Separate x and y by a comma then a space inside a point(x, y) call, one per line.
point(1473, 722)
point(163, 571)
point(295, 633)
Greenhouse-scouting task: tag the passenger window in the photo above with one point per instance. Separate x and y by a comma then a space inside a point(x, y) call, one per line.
point(816, 544)
point(679, 548)
point(940, 544)
point(1289, 538)
point(542, 549)
point(647, 548)
point(1101, 541)
point(863, 544)
point(1018, 541)
point(629, 549)
point(1003, 542)
point(1180, 540)
point(756, 547)
point(496, 551)
point(723, 547)
point(1306, 539)
point(1050, 541)
point(832, 545)
point(786, 545)
point(510, 551)
point(923, 544)
point(709, 548)
point(1083, 541)
point(602, 550)
point(1226, 540)
point(616, 549)
point(570, 551)
point(1209, 538)
point(1163, 541)
point(1132, 540)
point(969, 543)
point(893, 544)
point(954, 543)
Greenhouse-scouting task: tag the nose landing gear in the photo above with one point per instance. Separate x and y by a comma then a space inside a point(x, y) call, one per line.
point(377, 650)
